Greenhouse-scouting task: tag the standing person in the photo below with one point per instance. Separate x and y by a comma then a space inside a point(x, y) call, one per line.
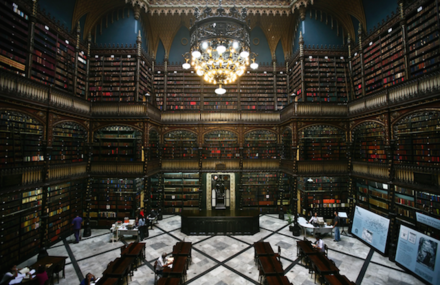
point(76, 223)
point(336, 225)
point(11, 274)
point(141, 226)
point(89, 278)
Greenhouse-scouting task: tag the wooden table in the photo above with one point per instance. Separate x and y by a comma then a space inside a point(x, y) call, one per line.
point(305, 248)
point(262, 249)
point(169, 281)
point(183, 249)
point(270, 266)
point(337, 279)
point(322, 265)
point(105, 280)
point(136, 250)
point(120, 268)
point(277, 280)
point(57, 264)
point(178, 270)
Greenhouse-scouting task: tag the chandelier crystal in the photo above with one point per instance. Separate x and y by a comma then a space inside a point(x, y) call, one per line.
point(220, 46)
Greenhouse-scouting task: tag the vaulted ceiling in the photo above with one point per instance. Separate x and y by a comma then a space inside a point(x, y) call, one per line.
point(277, 18)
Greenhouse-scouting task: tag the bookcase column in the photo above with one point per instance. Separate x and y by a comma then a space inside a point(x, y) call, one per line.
point(32, 20)
point(146, 191)
point(289, 99)
point(404, 39)
point(75, 75)
point(350, 70)
point(138, 65)
point(361, 58)
point(301, 59)
point(89, 43)
point(165, 83)
point(275, 95)
point(44, 227)
point(88, 195)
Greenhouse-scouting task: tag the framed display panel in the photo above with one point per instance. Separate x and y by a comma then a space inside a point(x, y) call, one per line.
point(418, 139)
point(180, 145)
point(20, 139)
point(117, 143)
point(69, 143)
point(260, 144)
point(369, 142)
point(419, 254)
point(220, 145)
point(321, 142)
point(370, 228)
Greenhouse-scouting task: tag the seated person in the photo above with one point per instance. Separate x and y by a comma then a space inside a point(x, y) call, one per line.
point(152, 217)
point(11, 274)
point(41, 276)
point(314, 220)
point(89, 278)
point(161, 264)
point(319, 244)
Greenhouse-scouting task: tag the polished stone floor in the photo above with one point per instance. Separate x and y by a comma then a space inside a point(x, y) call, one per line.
point(227, 260)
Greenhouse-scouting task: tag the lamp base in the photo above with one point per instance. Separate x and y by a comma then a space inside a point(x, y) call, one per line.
point(87, 231)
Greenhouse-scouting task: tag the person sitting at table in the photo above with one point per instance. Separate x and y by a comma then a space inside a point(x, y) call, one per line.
point(11, 274)
point(314, 220)
point(142, 227)
point(41, 276)
point(89, 278)
point(319, 244)
point(160, 264)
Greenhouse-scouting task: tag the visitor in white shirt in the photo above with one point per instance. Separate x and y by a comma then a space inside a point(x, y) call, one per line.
point(319, 244)
point(314, 220)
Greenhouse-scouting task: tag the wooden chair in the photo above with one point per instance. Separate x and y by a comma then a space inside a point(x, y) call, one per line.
point(279, 255)
point(155, 273)
point(326, 250)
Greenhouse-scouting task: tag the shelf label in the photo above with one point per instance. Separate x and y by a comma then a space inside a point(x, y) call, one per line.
point(267, 196)
point(107, 207)
point(173, 197)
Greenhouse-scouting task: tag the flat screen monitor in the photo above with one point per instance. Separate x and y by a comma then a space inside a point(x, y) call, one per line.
point(419, 253)
point(371, 228)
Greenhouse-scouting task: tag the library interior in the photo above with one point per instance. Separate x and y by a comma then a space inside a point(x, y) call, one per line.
point(220, 142)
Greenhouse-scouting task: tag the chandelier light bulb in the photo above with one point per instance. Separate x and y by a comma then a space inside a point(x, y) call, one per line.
point(221, 49)
point(200, 72)
point(220, 90)
point(244, 54)
point(196, 54)
point(186, 65)
point(254, 65)
point(235, 45)
point(204, 45)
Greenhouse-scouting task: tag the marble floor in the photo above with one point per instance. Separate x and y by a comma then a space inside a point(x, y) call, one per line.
point(227, 260)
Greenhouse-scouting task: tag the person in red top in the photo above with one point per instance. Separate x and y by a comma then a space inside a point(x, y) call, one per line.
point(41, 276)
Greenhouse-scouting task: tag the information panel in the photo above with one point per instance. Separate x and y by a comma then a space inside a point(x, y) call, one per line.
point(371, 228)
point(419, 253)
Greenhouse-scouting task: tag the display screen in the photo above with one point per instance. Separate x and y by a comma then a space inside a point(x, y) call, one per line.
point(419, 253)
point(371, 228)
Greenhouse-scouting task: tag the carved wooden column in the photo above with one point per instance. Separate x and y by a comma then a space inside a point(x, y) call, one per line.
point(146, 191)
point(88, 193)
point(165, 83)
point(294, 182)
point(275, 95)
point(75, 76)
point(289, 98)
point(404, 39)
point(350, 70)
point(32, 20)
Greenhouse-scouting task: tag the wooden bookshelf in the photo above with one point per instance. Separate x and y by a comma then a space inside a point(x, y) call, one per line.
point(417, 139)
point(220, 145)
point(181, 191)
point(373, 196)
point(393, 60)
point(285, 191)
point(117, 143)
point(21, 213)
point(295, 79)
point(260, 145)
point(287, 145)
point(82, 74)
point(322, 142)
point(372, 65)
point(357, 73)
point(154, 145)
point(369, 142)
point(282, 95)
point(159, 87)
point(183, 90)
point(323, 195)
point(113, 199)
point(145, 79)
point(260, 191)
point(180, 145)
point(64, 202)
point(156, 189)
point(112, 77)
point(325, 79)
point(256, 91)
point(227, 101)
point(423, 43)
point(20, 140)
point(14, 26)
point(68, 144)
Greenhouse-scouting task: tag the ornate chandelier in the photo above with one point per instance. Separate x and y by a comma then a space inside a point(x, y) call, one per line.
point(220, 46)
